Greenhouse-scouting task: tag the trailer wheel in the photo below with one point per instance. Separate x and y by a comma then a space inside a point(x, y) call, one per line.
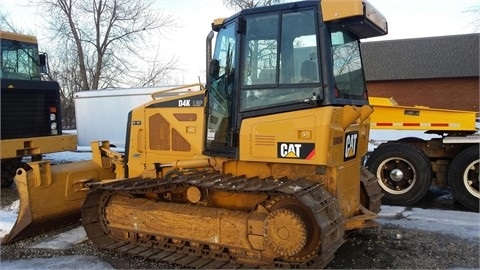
point(404, 172)
point(9, 169)
point(463, 177)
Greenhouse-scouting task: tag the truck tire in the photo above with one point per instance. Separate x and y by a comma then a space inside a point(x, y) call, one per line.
point(463, 178)
point(404, 172)
point(9, 169)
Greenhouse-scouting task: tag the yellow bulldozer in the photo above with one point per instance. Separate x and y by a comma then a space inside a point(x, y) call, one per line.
point(261, 167)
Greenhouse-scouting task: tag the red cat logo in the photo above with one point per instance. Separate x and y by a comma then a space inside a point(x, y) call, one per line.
point(296, 150)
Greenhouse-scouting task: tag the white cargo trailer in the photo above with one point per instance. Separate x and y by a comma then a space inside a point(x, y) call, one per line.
point(102, 114)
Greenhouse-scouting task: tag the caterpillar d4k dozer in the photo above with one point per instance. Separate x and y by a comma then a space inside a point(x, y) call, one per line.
point(260, 168)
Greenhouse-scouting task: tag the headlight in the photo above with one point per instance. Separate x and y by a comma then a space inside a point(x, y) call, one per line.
point(53, 126)
point(53, 117)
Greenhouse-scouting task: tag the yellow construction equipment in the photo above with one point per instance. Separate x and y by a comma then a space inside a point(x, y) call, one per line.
point(30, 106)
point(259, 168)
point(407, 167)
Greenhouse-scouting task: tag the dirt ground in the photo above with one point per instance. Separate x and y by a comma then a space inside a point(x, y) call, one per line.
point(386, 247)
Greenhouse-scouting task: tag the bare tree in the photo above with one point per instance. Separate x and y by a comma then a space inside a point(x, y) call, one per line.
point(475, 17)
point(7, 25)
point(104, 40)
point(97, 44)
point(243, 4)
point(157, 72)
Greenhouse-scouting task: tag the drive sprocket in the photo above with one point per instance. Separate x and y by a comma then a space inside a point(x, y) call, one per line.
point(285, 232)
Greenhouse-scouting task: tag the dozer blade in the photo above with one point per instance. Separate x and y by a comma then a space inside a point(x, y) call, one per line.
point(52, 196)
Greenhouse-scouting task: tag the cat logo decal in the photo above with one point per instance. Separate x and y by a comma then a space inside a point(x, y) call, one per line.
point(296, 150)
point(350, 150)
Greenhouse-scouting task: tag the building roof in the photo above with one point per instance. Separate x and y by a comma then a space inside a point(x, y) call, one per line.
point(422, 58)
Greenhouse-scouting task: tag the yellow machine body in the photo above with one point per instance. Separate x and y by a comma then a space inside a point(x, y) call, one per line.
point(307, 143)
point(165, 134)
point(311, 144)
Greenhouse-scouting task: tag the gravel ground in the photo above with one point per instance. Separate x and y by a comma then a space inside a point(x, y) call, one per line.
point(386, 247)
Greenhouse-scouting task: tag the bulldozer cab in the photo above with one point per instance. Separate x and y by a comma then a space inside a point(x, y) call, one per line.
point(284, 58)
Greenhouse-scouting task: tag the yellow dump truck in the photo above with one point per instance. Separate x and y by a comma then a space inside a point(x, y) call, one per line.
point(408, 166)
point(31, 116)
point(259, 168)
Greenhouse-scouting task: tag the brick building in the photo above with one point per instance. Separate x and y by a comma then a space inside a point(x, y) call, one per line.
point(438, 72)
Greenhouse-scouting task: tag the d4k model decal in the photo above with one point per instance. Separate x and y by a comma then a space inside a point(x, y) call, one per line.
point(193, 101)
point(295, 150)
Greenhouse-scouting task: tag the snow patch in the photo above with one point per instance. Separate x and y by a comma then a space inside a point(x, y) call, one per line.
point(63, 240)
point(8, 217)
point(456, 223)
point(65, 262)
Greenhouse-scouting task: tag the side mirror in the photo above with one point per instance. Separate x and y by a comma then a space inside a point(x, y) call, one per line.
point(214, 68)
point(43, 63)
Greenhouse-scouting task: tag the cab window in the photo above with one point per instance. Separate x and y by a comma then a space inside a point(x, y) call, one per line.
point(220, 91)
point(280, 60)
point(347, 66)
point(19, 60)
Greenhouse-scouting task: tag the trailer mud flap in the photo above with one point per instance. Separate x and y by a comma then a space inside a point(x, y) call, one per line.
point(52, 196)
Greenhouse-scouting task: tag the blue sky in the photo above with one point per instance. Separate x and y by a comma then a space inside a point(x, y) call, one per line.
point(406, 19)
point(423, 18)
